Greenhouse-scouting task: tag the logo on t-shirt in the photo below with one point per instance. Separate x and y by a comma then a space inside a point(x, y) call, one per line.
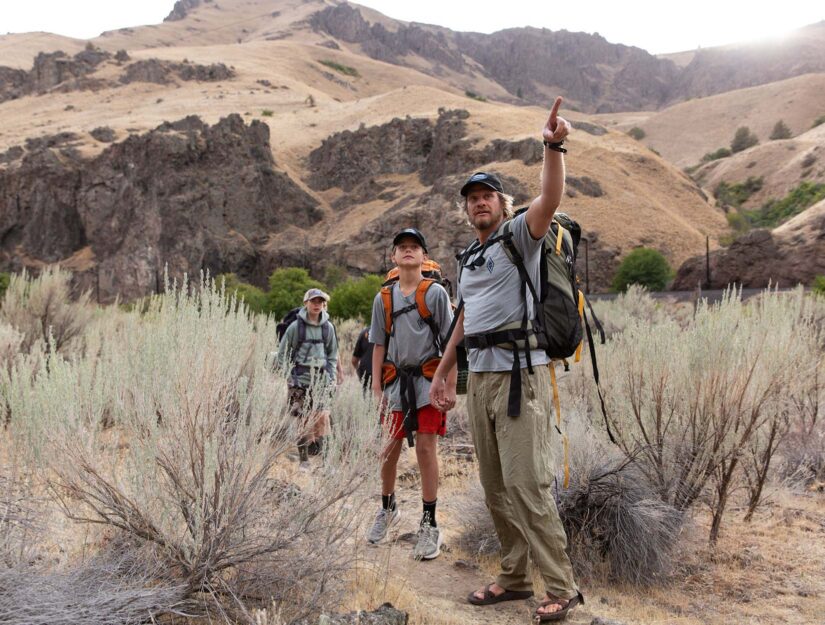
point(490, 265)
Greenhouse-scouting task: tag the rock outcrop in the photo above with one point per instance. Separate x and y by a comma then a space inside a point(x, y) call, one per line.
point(793, 253)
point(186, 195)
point(58, 71)
point(182, 8)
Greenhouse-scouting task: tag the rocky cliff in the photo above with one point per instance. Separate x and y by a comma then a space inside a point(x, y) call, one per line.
point(793, 253)
point(186, 195)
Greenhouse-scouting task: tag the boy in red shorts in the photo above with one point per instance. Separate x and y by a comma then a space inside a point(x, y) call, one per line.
point(410, 321)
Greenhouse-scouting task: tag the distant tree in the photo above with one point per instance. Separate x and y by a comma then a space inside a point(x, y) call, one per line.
point(353, 299)
point(818, 121)
point(286, 289)
point(643, 266)
point(743, 139)
point(4, 284)
point(818, 286)
point(519, 94)
point(335, 275)
point(780, 131)
point(713, 156)
point(637, 133)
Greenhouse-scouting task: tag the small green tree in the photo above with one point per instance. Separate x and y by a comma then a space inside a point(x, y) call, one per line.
point(818, 121)
point(255, 298)
point(353, 299)
point(637, 133)
point(4, 284)
point(780, 131)
point(818, 287)
point(643, 266)
point(714, 156)
point(286, 289)
point(335, 275)
point(743, 139)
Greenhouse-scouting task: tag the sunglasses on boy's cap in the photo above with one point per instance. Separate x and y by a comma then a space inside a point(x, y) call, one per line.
point(482, 177)
point(410, 232)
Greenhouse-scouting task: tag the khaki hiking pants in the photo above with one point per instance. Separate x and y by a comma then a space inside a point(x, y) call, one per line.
point(515, 460)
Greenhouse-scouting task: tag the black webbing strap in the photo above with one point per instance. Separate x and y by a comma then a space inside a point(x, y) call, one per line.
point(592, 347)
point(409, 408)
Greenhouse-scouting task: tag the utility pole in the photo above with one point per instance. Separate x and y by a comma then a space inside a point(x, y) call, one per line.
point(707, 261)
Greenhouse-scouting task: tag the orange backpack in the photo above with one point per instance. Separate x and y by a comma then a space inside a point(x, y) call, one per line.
point(388, 370)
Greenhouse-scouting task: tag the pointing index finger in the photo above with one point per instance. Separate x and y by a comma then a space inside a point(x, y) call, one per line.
point(554, 112)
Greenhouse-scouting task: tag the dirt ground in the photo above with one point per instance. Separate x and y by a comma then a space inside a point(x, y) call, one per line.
point(771, 570)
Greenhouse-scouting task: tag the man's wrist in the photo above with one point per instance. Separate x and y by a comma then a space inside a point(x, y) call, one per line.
point(556, 147)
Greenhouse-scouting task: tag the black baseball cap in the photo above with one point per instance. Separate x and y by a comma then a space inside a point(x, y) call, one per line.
point(410, 232)
point(482, 177)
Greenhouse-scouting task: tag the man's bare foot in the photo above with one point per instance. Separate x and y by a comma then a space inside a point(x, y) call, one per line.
point(553, 608)
point(493, 588)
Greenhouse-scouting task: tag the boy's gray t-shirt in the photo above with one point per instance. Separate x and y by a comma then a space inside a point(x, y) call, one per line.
point(492, 297)
point(412, 342)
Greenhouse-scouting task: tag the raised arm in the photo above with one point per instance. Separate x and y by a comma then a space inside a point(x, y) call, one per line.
point(540, 213)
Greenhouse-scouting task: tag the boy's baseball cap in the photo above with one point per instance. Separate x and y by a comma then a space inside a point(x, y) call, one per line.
point(312, 293)
point(482, 177)
point(410, 232)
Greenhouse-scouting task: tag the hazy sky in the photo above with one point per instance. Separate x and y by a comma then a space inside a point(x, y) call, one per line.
point(655, 26)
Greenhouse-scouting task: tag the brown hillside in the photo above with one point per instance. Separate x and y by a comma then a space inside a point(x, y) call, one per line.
point(683, 133)
point(782, 165)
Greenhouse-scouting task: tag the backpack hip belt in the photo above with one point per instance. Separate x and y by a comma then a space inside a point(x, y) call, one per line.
point(409, 402)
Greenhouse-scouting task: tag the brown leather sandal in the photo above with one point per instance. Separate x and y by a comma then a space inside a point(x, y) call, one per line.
point(565, 605)
point(490, 597)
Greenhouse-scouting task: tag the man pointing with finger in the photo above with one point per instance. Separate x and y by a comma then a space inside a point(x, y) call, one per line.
point(508, 391)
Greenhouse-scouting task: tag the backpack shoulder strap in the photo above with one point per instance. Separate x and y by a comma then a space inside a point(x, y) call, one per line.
point(421, 298)
point(516, 258)
point(426, 314)
point(386, 300)
point(325, 328)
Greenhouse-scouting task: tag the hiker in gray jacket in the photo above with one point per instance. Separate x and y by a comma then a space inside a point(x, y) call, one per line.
point(309, 349)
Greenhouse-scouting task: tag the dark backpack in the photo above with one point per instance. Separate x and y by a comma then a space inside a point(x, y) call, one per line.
point(292, 316)
point(560, 321)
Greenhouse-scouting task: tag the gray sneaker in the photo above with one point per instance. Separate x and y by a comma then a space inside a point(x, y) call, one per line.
point(429, 542)
point(383, 521)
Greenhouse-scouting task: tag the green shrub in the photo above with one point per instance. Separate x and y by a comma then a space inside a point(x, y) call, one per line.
point(267, 113)
point(4, 284)
point(475, 96)
point(643, 266)
point(738, 193)
point(286, 289)
point(253, 297)
point(743, 139)
point(818, 287)
point(715, 156)
point(818, 121)
point(335, 275)
point(780, 131)
point(637, 133)
point(774, 212)
point(341, 69)
point(353, 299)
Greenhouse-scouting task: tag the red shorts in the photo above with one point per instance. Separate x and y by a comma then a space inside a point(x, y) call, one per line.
point(430, 421)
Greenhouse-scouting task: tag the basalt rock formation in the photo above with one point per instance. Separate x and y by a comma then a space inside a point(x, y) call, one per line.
point(186, 195)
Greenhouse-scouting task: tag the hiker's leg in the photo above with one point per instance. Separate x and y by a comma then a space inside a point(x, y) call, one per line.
point(389, 465)
point(481, 394)
point(320, 424)
point(297, 404)
point(426, 451)
point(528, 471)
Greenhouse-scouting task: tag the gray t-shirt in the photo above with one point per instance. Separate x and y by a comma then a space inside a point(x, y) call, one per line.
point(412, 343)
point(492, 297)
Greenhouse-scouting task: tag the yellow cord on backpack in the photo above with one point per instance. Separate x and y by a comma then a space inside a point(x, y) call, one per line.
point(565, 441)
point(559, 237)
point(581, 316)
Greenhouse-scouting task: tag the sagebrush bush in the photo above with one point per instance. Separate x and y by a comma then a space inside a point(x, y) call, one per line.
point(169, 428)
point(632, 306)
point(686, 402)
point(43, 309)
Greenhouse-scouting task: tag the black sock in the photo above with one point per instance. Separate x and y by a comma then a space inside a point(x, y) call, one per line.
point(388, 502)
point(429, 513)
